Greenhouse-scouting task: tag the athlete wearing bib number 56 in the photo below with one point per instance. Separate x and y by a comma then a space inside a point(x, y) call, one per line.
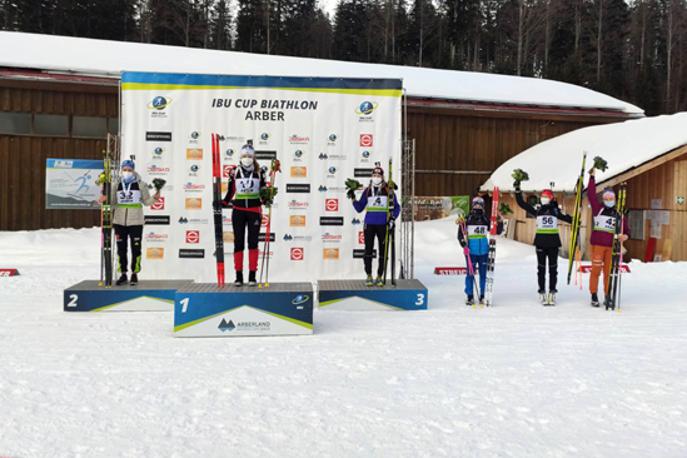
point(601, 240)
point(244, 195)
point(129, 195)
point(375, 200)
point(546, 241)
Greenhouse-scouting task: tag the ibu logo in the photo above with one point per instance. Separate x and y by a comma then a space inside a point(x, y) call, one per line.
point(264, 136)
point(226, 326)
point(159, 103)
point(332, 138)
point(366, 108)
point(300, 299)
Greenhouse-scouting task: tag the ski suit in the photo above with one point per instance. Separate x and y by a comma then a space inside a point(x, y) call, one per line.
point(243, 196)
point(374, 199)
point(128, 200)
point(547, 240)
point(601, 240)
point(477, 225)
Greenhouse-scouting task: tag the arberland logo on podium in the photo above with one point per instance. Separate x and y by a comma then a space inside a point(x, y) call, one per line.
point(360, 253)
point(191, 253)
point(156, 219)
point(297, 188)
point(362, 173)
point(226, 326)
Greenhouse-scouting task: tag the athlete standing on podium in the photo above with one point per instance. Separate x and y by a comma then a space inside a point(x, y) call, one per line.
point(375, 200)
point(246, 195)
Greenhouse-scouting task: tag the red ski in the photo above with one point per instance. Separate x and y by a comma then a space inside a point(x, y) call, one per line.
point(217, 208)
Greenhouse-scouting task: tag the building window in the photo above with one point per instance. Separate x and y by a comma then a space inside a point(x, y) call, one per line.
point(15, 123)
point(88, 126)
point(54, 125)
point(113, 125)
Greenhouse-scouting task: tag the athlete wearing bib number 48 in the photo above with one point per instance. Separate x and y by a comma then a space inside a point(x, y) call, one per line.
point(129, 195)
point(547, 240)
point(604, 229)
point(475, 246)
point(246, 195)
point(375, 199)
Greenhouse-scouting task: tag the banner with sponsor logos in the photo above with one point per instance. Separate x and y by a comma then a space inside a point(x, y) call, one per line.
point(323, 130)
point(70, 184)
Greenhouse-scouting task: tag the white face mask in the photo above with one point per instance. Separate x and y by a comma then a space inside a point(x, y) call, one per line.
point(127, 175)
point(376, 181)
point(247, 162)
point(609, 203)
point(545, 201)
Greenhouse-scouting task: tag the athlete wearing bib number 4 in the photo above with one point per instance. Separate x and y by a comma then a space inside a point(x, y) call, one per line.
point(375, 199)
point(547, 240)
point(129, 195)
point(245, 195)
point(605, 218)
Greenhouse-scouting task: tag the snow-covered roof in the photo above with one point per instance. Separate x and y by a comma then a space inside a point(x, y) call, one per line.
point(102, 57)
point(624, 145)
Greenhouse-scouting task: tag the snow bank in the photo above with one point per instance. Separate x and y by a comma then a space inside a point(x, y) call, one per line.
point(516, 380)
point(624, 145)
point(99, 57)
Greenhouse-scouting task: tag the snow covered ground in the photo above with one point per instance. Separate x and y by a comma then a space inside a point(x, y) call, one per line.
point(514, 380)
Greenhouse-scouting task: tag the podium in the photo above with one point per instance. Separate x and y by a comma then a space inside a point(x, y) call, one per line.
point(146, 296)
point(206, 310)
point(355, 295)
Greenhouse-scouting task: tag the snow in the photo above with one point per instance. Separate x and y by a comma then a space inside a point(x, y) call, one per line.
point(624, 145)
point(515, 380)
point(98, 57)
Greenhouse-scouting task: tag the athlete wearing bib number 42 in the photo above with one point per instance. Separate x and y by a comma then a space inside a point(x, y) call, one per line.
point(129, 195)
point(547, 240)
point(603, 232)
point(246, 195)
point(375, 199)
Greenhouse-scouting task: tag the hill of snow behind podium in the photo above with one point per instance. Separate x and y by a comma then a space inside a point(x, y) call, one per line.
point(517, 379)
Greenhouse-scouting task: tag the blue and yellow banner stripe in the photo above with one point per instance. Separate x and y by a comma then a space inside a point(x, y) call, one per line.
point(132, 81)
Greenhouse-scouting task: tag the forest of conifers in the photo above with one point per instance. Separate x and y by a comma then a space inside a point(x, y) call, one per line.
point(634, 50)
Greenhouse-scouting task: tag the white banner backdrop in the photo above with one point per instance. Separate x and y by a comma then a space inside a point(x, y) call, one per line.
point(323, 130)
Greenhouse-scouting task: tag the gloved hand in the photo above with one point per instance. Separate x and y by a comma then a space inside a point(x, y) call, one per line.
point(219, 204)
point(392, 223)
point(516, 186)
point(350, 194)
point(466, 251)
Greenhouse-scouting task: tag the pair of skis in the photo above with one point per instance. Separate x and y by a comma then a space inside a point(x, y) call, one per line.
point(389, 237)
point(491, 260)
point(110, 156)
point(615, 276)
point(573, 246)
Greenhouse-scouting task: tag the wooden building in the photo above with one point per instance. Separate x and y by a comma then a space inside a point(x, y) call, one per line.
point(648, 155)
point(59, 98)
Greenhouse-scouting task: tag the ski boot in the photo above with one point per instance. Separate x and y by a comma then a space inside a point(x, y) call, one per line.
point(481, 300)
point(610, 305)
point(122, 279)
point(379, 282)
point(595, 301)
point(251, 278)
point(542, 296)
point(551, 298)
point(239, 279)
point(470, 301)
point(134, 279)
point(369, 282)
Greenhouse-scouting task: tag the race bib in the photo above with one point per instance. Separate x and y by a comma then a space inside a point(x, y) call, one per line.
point(247, 188)
point(604, 223)
point(377, 203)
point(547, 224)
point(477, 231)
point(130, 197)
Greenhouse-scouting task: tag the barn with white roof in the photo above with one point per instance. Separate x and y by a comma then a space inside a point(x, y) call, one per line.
point(59, 98)
point(649, 154)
